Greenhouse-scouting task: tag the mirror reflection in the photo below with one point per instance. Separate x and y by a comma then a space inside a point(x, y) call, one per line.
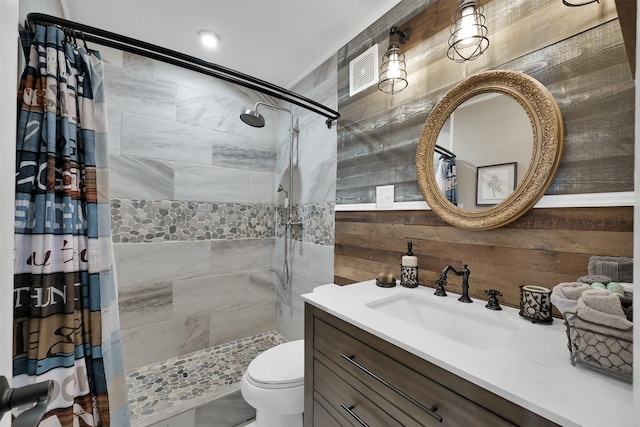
point(503, 165)
point(483, 151)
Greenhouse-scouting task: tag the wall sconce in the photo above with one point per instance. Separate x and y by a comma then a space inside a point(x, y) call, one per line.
point(468, 33)
point(578, 3)
point(393, 72)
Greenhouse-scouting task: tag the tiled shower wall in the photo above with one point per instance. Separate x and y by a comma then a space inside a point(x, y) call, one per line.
point(314, 195)
point(193, 209)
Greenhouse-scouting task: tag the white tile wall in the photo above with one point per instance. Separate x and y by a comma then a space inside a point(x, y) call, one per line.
point(197, 182)
point(160, 341)
point(315, 182)
point(131, 91)
point(185, 419)
point(231, 256)
point(175, 135)
point(196, 294)
point(161, 262)
point(114, 123)
point(165, 140)
point(290, 324)
point(226, 324)
point(141, 178)
point(193, 296)
point(211, 111)
point(145, 304)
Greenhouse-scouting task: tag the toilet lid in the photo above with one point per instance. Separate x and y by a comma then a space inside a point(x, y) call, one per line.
point(281, 366)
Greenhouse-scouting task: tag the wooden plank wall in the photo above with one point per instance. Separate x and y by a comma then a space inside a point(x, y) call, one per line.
point(545, 247)
point(627, 11)
point(579, 55)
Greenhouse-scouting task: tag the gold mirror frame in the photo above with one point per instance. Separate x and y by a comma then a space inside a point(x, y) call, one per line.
point(548, 141)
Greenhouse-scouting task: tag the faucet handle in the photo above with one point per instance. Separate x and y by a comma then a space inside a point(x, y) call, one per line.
point(441, 282)
point(493, 303)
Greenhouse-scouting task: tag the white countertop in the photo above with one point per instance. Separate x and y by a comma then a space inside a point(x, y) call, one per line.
point(531, 368)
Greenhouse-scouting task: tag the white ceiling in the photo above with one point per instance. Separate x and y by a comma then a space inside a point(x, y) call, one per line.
point(279, 41)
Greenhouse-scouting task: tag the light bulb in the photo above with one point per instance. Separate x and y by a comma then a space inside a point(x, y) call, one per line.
point(468, 33)
point(469, 28)
point(209, 39)
point(393, 72)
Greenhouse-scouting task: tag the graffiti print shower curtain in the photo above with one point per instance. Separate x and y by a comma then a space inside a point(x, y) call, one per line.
point(66, 326)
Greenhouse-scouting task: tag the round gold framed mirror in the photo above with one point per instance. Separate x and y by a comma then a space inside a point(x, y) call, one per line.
point(521, 170)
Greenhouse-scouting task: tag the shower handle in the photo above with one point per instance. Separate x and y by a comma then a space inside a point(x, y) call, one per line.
point(291, 223)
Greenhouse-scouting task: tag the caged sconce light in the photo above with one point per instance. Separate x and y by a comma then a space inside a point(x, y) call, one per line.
point(393, 72)
point(468, 38)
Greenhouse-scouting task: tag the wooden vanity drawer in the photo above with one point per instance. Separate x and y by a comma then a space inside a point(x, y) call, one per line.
point(349, 402)
point(339, 376)
point(324, 415)
point(405, 387)
point(424, 401)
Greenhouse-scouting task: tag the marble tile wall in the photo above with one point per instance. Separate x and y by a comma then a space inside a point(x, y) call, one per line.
point(310, 254)
point(193, 210)
point(196, 219)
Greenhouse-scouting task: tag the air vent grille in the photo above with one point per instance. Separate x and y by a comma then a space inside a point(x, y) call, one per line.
point(363, 70)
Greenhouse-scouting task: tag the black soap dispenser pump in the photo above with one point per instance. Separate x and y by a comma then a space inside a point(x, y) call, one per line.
point(409, 268)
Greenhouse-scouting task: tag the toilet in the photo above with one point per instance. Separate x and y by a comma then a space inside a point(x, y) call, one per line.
point(274, 385)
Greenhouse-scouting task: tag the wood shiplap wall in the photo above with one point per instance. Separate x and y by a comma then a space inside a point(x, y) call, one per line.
point(579, 55)
point(545, 247)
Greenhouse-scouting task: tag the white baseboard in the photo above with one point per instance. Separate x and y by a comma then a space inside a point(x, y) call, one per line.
point(590, 200)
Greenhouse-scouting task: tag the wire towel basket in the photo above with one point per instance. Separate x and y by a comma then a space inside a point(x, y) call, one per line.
point(603, 348)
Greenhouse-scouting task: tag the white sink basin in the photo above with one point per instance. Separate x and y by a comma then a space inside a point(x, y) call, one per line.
point(474, 326)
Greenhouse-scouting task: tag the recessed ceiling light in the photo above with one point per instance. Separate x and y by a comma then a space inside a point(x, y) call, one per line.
point(209, 38)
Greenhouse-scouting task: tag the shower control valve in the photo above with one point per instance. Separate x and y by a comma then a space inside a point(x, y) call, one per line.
point(291, 223)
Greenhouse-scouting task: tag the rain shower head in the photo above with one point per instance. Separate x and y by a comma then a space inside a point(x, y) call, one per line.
point(252, 118)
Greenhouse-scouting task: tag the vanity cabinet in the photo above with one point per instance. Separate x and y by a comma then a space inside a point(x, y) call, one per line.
point(353, 378)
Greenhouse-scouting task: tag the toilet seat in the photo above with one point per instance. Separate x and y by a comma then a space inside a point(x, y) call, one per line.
point(281, 366)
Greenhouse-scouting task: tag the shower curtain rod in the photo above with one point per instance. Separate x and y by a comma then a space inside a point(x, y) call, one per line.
point(445, 152)
point(138, 47)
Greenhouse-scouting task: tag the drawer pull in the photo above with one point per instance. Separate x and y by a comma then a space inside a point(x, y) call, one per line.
point(349, 409)
point(430, 411)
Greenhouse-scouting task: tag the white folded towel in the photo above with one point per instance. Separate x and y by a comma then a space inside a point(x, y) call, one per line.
point(565, 295)
point(601, 333)
point(604, 308)
point(601, 346)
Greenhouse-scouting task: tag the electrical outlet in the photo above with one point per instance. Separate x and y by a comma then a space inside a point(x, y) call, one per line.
point(384, 197)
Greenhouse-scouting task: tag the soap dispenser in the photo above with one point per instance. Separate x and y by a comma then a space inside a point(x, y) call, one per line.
point(409, 269)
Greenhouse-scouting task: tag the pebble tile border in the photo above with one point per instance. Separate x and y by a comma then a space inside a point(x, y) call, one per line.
point(138, 221)
point(164, 389)
point(318, 223)
point(152, 221)
point(318, 219)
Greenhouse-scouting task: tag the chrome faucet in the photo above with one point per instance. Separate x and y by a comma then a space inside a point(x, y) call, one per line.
point(442, 282)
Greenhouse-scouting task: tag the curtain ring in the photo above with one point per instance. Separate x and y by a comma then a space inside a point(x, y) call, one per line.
point(84, 41)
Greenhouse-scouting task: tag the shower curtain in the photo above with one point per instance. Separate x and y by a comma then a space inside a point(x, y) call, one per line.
point(447, 179)
point(66, 326)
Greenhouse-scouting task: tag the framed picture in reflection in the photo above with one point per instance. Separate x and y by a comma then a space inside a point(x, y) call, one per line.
point(495, 183)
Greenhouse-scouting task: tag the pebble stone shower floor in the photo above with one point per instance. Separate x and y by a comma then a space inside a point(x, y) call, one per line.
point(164, 389)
